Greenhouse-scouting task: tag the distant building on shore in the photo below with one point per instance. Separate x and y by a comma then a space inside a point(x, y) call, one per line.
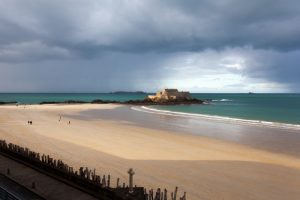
point(169, 95)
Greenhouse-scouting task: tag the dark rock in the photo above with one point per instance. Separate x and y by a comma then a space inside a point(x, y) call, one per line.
point(8, 102)
point(145, 101)
point(63, 102)
point(164, 102)
point(100, 101)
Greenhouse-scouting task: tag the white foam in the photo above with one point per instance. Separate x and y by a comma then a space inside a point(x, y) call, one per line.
point(217, 118)
point(222, 100)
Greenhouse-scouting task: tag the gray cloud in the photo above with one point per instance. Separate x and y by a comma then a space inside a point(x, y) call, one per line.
point(121, 41)
point(154, 25)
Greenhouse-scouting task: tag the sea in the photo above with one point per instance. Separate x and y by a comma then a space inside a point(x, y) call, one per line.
point(278, 108)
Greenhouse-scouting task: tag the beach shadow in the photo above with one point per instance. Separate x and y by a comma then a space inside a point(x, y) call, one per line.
point(201, 179)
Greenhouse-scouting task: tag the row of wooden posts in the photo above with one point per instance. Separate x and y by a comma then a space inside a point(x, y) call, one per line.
point(163, 195)
point(85, 175)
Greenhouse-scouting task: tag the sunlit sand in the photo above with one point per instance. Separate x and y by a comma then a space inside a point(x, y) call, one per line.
point(205, 168)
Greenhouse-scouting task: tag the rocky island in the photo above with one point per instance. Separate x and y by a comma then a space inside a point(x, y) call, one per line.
point(167, 97)
point(163, 97)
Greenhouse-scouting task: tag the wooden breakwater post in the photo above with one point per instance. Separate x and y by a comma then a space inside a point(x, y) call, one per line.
point(33, 185)
point(131, 173)
point(118, 181)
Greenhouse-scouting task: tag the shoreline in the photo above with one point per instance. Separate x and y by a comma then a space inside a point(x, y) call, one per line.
point(220, 118)
point(146, 108)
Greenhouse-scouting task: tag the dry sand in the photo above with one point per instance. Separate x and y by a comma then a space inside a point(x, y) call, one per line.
point(204, 167)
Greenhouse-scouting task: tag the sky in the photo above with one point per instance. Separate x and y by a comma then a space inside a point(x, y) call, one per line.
point(133, 45)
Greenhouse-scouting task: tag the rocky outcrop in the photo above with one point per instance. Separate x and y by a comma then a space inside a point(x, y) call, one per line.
point(100, 101)
point(145, 101)
point(148, 101)
point(8, 102)
point(64, 102)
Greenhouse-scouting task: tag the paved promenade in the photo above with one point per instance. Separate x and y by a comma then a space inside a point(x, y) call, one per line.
point(45, 186)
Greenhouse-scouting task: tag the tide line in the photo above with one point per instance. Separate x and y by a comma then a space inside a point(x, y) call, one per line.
point(217, 118)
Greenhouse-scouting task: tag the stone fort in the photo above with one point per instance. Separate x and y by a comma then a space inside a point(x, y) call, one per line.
point(170, 95)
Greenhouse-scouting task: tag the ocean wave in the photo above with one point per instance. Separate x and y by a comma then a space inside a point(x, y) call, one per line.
point(222, 100)
point(218, 118)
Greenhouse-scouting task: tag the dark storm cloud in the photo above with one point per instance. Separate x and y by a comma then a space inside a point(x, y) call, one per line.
point(281, 67)
point(111, 72)
point(137, 38)
point(152, 25)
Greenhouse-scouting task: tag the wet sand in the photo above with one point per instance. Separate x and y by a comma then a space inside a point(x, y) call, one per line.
point(208, 160)
point(273, 139)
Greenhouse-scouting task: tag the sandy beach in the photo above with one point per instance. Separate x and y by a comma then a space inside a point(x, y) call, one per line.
point(223, 161)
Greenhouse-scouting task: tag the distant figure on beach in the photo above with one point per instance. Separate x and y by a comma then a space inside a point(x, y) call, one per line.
point(69, 122)
point(59, 118)
point(29, 122)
